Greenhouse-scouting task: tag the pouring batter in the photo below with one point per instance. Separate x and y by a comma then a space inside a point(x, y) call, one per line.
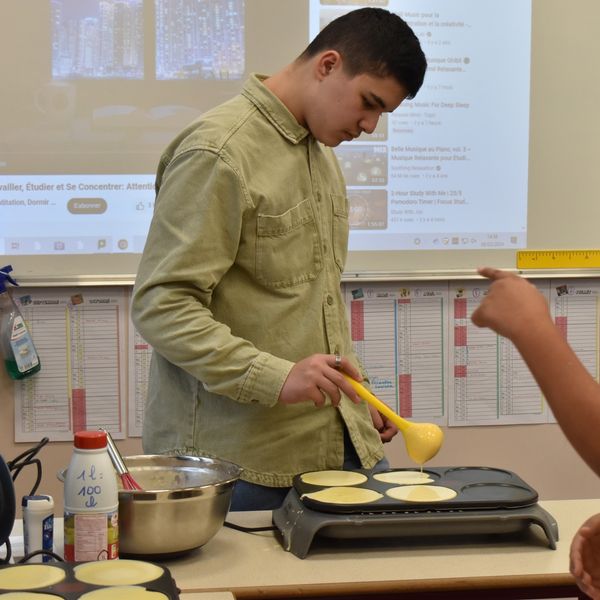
point(423, 440)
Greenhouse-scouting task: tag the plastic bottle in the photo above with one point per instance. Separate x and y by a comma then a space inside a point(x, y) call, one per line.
point(19, 354)
point(38, 526)
point(91, 501)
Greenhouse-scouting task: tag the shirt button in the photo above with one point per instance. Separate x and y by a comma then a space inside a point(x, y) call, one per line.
point(329, 300)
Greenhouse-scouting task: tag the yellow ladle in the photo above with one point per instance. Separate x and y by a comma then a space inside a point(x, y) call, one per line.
point(423, 440)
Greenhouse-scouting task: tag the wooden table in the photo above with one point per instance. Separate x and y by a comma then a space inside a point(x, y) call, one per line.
point(255, 565)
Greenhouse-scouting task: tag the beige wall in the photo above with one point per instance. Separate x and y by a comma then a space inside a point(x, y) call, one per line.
point(54, 455)
point(539, 454)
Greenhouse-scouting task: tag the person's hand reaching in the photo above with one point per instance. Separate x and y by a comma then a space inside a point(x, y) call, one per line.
point(585, 557)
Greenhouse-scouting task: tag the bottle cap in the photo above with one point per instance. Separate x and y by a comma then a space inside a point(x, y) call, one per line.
point(37, 503)
point(90, 440)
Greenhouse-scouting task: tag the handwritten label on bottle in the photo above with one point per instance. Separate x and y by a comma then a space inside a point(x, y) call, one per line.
point(90, 491)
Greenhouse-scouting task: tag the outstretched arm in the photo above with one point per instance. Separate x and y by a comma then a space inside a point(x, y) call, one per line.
point(515, 309)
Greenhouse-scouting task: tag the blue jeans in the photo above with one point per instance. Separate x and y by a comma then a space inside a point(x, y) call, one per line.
point(252, 496)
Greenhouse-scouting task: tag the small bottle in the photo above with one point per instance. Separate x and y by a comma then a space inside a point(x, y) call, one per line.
point(91, 501)
point(38, 526)
point(19, 354)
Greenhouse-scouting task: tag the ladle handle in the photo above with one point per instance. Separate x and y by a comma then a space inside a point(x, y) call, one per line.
point(366, 395)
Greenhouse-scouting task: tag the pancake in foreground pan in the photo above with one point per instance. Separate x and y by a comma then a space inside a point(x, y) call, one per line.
point(344, 495)
point(403, 477)
point(333, 478)
point(421, 493)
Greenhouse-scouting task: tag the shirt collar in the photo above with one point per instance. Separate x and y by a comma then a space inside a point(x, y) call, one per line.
point(273, 109)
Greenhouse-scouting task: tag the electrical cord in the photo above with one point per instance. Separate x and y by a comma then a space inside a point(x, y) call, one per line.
point(6, 559)
point(56, 557)
point(15, 466)
point(249, 529)
point(25, 459)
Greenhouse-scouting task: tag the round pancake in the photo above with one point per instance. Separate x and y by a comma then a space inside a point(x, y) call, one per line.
point(125, 592)
point(30, 577)
point(333, 478)
point(403, 477)
point(421, 493)
point(117, 572)
point(344, 495)
point(29, 596)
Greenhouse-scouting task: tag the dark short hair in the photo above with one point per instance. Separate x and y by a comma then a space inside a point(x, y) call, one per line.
point(374, 41)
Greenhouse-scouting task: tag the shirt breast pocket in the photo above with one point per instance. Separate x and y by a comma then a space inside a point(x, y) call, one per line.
point(341, 229)
point(287, 247)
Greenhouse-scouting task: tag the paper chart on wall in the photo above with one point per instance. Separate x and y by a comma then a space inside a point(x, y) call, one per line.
point(140, 353)
point(490, 383)
point(79, 335)
point(575, 307)
point(399, 335)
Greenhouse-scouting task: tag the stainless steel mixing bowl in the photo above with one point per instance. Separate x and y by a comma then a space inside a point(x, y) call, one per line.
point(183, 504)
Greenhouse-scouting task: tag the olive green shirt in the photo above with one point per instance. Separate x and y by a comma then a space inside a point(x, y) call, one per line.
point(239, 279)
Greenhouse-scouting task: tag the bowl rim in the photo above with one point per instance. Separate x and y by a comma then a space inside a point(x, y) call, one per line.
point(61, 474)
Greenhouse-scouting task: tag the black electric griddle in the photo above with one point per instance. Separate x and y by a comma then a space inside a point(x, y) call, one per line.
point(488, 500)
point(71, 588)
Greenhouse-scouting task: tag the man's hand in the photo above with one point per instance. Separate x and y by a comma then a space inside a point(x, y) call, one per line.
point(387, 430)
point(318, 377)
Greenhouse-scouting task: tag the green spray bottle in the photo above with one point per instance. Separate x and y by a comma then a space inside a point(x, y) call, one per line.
point(19, 354)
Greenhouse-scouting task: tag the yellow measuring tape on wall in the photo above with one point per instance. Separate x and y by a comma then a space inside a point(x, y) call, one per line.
point(558, 259)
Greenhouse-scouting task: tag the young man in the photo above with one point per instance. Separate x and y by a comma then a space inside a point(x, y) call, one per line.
point(516, 310)
point(238, 289)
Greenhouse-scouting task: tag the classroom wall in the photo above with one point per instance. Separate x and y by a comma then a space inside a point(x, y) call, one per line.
point(564, 57)
point(54, 455)
point(539, 454)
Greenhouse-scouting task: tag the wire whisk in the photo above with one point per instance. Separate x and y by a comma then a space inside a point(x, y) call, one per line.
point(129, 483)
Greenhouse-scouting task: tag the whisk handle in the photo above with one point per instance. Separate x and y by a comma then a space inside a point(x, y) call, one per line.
point(114, 454)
